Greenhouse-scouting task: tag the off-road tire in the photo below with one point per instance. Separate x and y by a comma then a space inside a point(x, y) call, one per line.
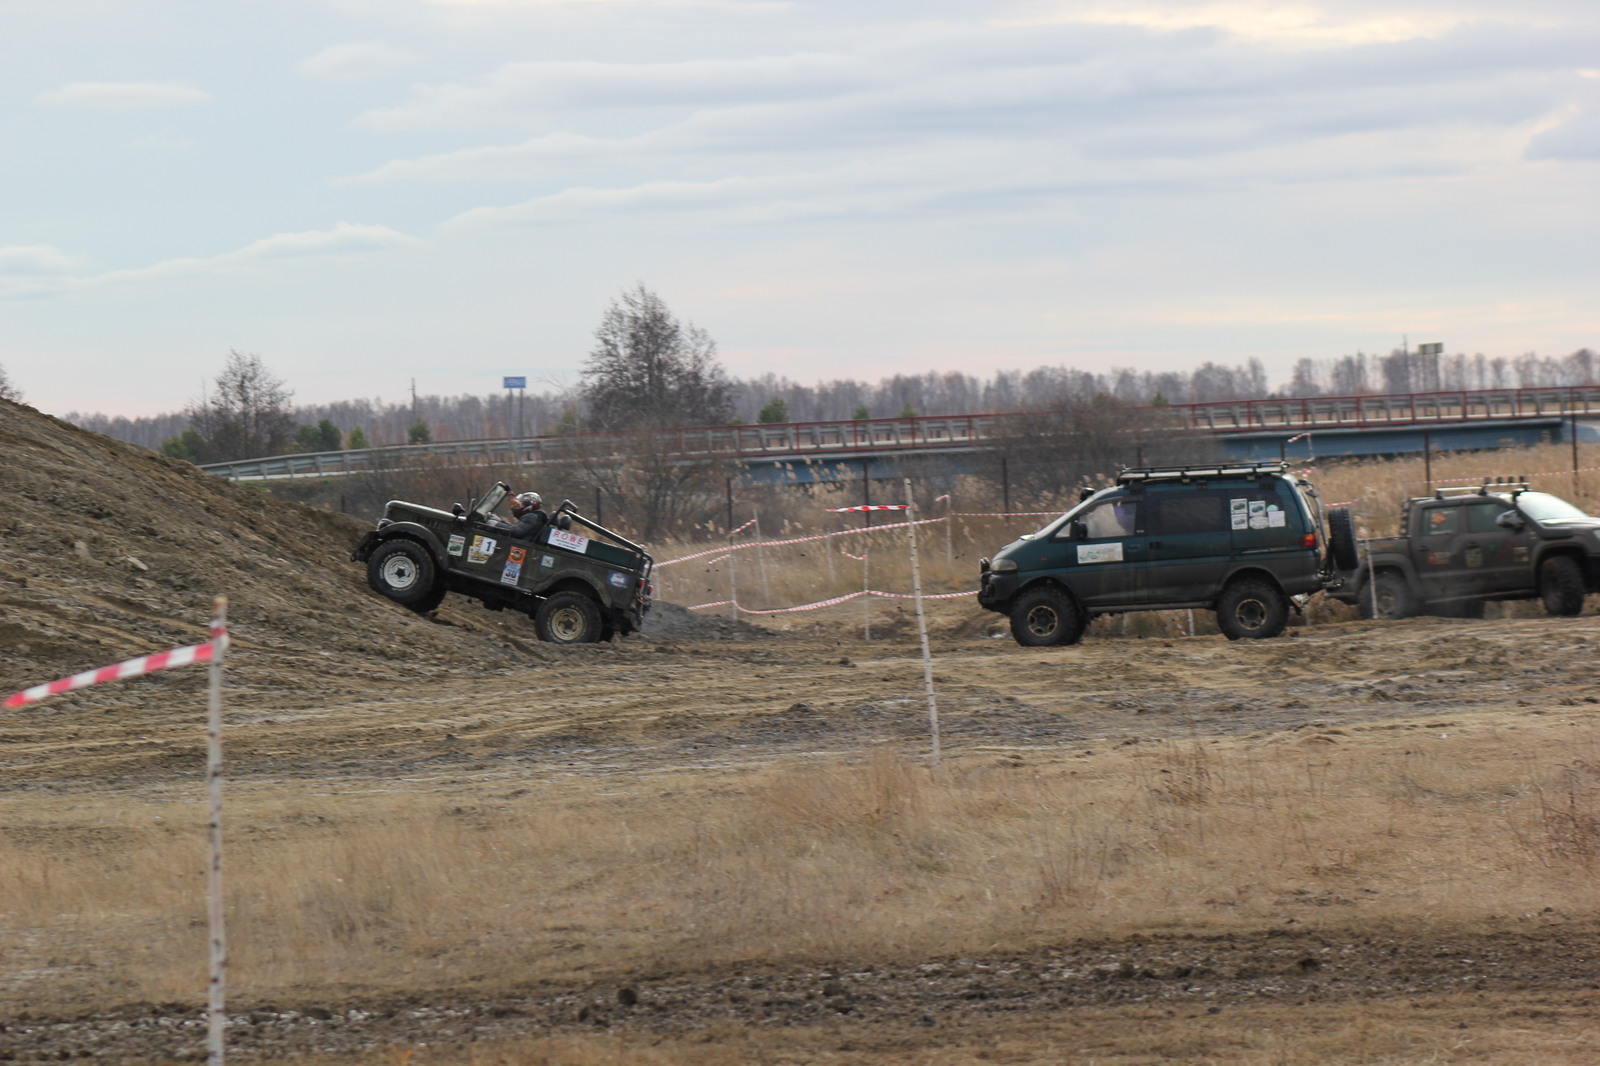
point(1251, 609)
point(403, 571)
point(1343, 548)
point(1394, 597)
point(1561, 585)
point(1046, 616)
point(568, 618)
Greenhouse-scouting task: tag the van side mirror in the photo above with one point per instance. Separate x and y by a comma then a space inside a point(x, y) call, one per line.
point(1510, 520)
point(1080, 531)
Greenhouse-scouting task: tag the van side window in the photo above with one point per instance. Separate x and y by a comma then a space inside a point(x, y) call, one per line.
point(1187, 513)
point(1114, 518)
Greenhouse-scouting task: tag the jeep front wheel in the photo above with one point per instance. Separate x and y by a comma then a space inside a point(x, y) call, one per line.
point(1252, 609)
point(403, 571)
point(1561, 585)
point(568, 618)
point(1046, 616)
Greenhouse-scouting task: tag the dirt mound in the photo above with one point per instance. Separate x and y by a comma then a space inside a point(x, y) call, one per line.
point(108, 551)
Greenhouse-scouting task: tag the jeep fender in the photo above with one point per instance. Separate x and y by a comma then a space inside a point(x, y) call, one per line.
point(582, 583)
point(407, 531)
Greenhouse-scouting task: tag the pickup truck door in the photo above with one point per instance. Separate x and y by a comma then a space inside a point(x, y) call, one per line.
point(1446, 567)
point(1503, 557)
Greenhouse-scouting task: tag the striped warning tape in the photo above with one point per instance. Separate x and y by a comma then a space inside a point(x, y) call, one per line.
point(834, 601)
point(850, 533)
point(145, 664)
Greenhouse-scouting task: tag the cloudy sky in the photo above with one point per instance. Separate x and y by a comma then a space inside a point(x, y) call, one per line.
point(371, 192)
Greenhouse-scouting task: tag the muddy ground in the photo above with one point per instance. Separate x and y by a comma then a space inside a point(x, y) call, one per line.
point(108, 552)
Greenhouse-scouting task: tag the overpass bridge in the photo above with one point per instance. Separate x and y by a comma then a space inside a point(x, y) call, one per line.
point(1300, 429)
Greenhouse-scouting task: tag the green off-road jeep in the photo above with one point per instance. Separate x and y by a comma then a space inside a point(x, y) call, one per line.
point(577, 588)
point(1239, 539)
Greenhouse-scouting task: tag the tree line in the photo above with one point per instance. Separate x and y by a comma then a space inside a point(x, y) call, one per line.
point(649, 370)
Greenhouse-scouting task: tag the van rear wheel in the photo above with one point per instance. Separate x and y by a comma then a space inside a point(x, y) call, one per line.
point(1250, 609)
point(1045, 616)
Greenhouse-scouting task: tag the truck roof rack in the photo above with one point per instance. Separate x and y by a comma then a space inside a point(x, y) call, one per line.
point(1144, 474)
point(1512, 483)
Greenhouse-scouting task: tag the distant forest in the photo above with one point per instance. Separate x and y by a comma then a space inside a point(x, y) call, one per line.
point(469, 417)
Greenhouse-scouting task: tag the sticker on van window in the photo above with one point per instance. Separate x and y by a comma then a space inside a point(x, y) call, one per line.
point(1238, 506)
point(1240, 519)
point(1100, 553)
point(1277, 518)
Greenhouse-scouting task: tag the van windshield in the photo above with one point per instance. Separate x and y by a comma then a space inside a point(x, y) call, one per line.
point(1057, 526)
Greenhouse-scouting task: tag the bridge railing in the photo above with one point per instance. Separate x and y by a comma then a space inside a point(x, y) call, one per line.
point(839, 438)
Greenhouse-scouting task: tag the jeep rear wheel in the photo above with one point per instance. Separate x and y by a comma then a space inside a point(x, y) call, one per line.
point(1561, 585)
point(403, 571)
point(1046, 616)
point(568, 618)
point(1252, 609)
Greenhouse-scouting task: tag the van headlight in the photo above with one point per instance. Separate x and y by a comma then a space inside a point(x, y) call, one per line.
point(1003, 566)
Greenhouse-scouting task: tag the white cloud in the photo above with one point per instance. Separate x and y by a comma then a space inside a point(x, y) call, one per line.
point(123, 96)
point(354, 62)
point(344, 239)
point(37, 259)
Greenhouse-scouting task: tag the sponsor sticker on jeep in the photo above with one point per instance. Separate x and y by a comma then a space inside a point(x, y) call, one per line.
point(570, 541)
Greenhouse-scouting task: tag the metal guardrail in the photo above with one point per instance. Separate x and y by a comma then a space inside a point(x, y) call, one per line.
point(836, 440)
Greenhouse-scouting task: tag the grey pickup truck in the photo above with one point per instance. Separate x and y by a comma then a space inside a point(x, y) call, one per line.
point(1463, 547)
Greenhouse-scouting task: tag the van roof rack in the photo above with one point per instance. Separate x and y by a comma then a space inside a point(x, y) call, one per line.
point(1142, 474)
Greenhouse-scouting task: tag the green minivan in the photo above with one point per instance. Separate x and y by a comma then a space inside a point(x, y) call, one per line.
point(1238, 539)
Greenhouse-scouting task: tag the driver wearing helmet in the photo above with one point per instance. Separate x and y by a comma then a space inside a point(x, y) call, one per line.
point(526, 508)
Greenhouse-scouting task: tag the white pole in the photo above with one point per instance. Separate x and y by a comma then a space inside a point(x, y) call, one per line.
point(733, 588)
point(761, 559)
point(866, 596)
point(949, 524)
point(216, 1013)
point(922, 626)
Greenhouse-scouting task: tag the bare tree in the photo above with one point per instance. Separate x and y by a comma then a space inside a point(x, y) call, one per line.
point(248, 414)
point(8, 391)
point(648, 371)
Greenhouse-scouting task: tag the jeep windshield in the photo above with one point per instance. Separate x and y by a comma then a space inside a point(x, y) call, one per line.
point(1550, 510)
point(1055, 525)
point(491, 500)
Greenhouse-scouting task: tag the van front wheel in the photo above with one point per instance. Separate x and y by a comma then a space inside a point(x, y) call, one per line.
point(1046, 616)
point(1252, 610)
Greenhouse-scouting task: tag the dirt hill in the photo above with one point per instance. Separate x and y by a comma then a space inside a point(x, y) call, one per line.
point(108, 551)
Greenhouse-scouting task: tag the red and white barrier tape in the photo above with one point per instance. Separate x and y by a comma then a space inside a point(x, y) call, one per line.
point(851, 533)
point(145, 664)
point(871, 507)
point(835, 601)
point(1474, 481)
point(744, 527)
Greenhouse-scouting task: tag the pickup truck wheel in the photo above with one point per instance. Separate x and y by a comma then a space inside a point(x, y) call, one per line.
point(403, 571)
point(1045, 616)
point(1252, 609)
point(1342, 543)
point(1394, 598)
point(568, 618)
point(1561, 585)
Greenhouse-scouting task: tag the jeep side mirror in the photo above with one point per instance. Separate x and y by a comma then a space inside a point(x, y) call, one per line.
point(458, 510)
point(1510, 520)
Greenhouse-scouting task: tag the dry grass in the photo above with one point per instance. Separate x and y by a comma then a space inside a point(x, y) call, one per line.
point(101, 901)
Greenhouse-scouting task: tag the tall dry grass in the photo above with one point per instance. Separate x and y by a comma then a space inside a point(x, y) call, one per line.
point(101, 901)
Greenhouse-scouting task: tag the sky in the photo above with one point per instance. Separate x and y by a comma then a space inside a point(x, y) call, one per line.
point(376, 194)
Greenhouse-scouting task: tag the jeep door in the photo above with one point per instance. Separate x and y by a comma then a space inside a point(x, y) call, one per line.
point(1189, 545)
point(1101, 554)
